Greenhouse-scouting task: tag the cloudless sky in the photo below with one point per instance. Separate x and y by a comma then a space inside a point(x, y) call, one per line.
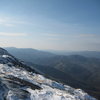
point(50, 24)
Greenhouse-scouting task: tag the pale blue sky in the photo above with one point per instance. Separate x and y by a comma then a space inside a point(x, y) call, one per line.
point(50, 24)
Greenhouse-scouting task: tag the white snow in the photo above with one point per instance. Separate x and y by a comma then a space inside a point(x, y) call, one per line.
point(5, 56)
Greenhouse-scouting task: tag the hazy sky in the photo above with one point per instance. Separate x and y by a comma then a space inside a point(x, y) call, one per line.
point(50, 24)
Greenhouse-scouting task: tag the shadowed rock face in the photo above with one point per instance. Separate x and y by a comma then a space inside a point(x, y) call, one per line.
point(20, 82)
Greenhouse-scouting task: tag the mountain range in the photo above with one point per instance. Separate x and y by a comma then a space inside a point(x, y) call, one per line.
point(21, 82)
point(77, 71)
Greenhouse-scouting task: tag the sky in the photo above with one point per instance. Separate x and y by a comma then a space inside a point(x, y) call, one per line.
point(72, 25)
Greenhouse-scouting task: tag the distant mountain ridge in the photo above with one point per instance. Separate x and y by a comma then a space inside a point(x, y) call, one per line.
point(29, 54)
point(50, 53)
point(95, 54)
